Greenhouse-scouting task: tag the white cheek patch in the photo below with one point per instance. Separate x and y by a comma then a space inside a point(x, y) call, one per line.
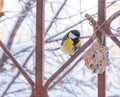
point(71, 35)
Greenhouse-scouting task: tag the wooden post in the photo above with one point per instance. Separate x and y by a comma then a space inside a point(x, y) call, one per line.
point(101, 38)
point(39, 91)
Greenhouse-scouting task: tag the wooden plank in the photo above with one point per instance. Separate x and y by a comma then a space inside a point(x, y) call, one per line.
point(39, 49)
point(101, 19)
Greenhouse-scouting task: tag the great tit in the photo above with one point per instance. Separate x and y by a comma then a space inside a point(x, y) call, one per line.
point(71, 42)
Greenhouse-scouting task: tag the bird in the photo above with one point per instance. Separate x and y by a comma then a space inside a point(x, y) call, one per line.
point(71, 42)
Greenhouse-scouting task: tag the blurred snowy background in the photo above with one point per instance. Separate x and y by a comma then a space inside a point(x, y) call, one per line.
point(17, 31)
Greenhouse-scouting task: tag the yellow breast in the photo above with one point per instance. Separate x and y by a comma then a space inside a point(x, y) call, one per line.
point(67, 46)
point(78, 44)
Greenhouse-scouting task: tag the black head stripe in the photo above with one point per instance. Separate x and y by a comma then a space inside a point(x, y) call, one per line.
point(76, 33)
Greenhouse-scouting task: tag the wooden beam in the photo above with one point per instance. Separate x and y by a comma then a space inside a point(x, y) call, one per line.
point(108, 30)
point(101, 39)
point(39, 92)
